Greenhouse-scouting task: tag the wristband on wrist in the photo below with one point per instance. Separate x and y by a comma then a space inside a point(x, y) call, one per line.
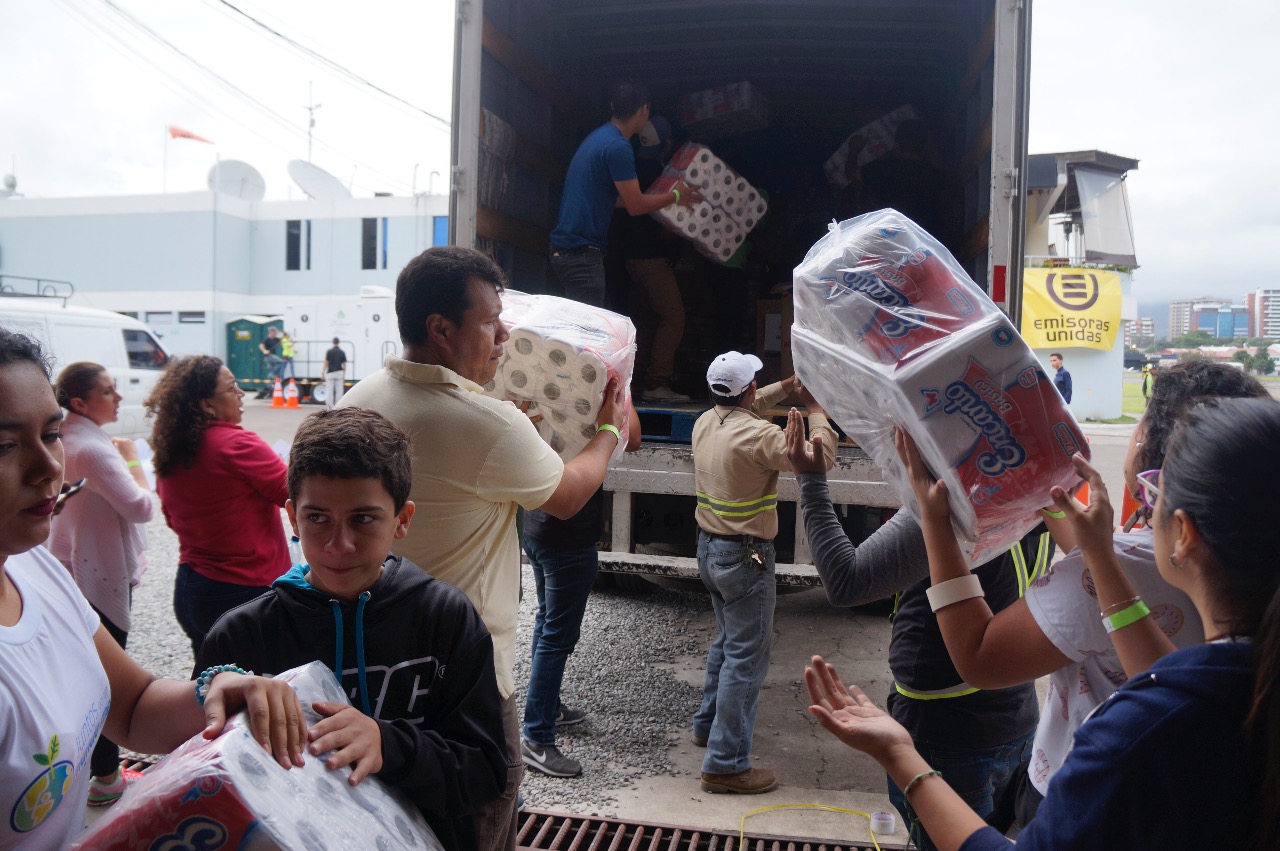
point(954, 591)
point(1056, 515)
point(610, 427)
point(676, 192)
point(933, 772)
point(134, 463)
point(206, 679)
point(1123, 604)
point(1124, 617)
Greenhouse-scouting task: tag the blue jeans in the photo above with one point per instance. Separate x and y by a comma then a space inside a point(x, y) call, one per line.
point(199, 601)
point(274, 365)
point(742, 594)
point(978, 775)
point(563, 577)
point(581, 271)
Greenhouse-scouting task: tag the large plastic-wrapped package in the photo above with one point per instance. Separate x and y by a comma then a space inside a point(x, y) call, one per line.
point(865, 144)
point(729, 209)
point(890, 331)
point(559, 359)
point(230, 793)
point(722, 110)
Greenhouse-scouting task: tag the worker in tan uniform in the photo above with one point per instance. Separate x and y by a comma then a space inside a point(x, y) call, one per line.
point(737, 456)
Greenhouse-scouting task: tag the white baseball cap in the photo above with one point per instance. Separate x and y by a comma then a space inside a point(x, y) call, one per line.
point(732, 373)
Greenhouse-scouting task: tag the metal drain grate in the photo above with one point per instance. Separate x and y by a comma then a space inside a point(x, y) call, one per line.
point(546, 831)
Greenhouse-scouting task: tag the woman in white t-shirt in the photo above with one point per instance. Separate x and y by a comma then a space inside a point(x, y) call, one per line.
point(63, 679)
point(1056, 629)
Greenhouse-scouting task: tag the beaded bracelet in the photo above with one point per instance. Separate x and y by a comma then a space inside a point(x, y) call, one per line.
point(933, 772)
point(1123, 604)
point(206, 679)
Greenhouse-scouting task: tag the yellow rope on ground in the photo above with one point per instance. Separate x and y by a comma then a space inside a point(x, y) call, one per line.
point(742, 822)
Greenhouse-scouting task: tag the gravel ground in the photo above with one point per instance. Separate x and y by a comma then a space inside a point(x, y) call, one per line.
point(620, 674)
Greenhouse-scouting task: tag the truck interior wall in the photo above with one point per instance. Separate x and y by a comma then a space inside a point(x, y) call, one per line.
point(818, 94)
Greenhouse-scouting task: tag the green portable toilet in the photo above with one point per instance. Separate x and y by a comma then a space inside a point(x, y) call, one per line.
point(244, 333)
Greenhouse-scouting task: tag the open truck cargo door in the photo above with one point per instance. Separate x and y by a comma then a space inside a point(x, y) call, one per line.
point(532, 79)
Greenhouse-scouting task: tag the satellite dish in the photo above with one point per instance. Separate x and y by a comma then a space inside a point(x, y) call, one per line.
point(237, 179)
point(316, 182)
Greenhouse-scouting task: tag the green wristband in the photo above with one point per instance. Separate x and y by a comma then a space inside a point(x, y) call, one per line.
point(134, 463)
point(610, 427)
point(1056, 515)
point(1124, 617)
point(676, 192)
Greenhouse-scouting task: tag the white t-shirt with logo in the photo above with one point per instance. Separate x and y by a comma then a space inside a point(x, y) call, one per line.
point(1065, 607)
point(54, 698)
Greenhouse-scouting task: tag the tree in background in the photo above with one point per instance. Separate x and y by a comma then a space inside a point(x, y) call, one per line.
point(1262, 363)
point(1243, 357)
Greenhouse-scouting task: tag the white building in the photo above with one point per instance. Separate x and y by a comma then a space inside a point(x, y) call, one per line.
point(187, 263)
point(1264, 313)
point(1143, 326)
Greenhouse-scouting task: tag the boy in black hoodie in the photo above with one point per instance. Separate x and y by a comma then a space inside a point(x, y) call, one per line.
point(411, 651)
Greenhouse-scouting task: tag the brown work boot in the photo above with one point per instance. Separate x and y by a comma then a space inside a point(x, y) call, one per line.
point(753, 781)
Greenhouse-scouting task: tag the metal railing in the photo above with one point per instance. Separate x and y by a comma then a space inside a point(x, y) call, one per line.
point(38, 288)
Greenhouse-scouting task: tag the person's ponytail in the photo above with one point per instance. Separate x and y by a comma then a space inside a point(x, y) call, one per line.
point(1263, 723)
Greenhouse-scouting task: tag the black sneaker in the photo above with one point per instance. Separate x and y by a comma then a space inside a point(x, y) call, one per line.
point(566, 717)
point(548, 760)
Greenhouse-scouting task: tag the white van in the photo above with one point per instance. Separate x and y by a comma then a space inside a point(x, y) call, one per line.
point(125, 346)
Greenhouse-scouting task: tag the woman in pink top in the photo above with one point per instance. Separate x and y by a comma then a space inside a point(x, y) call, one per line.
point(221, 490)
point(98, 536)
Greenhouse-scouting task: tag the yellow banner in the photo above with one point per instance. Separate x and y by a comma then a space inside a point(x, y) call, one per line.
point(1070, 308)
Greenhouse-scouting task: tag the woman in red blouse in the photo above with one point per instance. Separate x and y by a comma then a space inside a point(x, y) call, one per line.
point(221, 490)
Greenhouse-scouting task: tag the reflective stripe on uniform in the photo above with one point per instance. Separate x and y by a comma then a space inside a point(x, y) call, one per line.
point(746, 508)
point(959, 690)
point(1025, 579)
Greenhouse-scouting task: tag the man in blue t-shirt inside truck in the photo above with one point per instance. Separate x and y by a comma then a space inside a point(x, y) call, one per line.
point(601, 176)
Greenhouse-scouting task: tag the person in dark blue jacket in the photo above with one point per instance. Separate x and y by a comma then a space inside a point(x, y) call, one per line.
point(1061, 378)
point(409, 650)
point(1186, 755)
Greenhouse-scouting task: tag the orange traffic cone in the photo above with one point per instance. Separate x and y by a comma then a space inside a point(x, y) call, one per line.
point(277, 396)
point(291, 394)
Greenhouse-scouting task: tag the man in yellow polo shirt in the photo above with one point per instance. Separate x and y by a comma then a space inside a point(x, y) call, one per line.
point(475, 460)
point(736, 459)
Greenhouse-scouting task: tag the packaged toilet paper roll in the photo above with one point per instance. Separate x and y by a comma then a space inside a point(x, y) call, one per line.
point(889, 331)
point(560, 357)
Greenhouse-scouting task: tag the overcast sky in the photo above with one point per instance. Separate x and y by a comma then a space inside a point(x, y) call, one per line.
point(1191, 89)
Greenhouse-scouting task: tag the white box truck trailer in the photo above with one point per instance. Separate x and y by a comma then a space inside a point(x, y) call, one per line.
point(532, 79)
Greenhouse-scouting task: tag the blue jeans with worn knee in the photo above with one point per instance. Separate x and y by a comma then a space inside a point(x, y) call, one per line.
point(742, 594)
point(978, 775)
point(563, 577)
point(581, 271)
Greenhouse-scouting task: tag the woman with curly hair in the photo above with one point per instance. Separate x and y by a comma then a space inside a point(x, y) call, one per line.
point(221, 490)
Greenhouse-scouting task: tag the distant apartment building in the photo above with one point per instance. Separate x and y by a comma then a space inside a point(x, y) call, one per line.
point(1143, 326)
point(1182, 313)
point(1264, 313)
point(1224, 320)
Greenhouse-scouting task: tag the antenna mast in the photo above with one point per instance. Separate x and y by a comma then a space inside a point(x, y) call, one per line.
point(311, 115)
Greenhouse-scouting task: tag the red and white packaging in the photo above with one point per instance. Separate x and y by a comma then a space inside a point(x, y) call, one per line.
point(730, 206)
point(889, 331)
point(229, 793)
point(560, 358)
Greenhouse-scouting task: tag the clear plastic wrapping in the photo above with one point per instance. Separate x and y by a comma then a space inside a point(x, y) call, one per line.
point(730, 206)
point(560, 358)
point(230, 793)
point(890, 331)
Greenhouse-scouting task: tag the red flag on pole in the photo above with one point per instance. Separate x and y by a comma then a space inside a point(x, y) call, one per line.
point(178, 133)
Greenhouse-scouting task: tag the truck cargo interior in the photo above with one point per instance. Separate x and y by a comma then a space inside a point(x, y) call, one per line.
point(533, 78)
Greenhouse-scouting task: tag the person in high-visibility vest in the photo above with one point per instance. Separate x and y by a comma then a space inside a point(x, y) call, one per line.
point(982, 736)
point(1148, 384)
point(737, 456)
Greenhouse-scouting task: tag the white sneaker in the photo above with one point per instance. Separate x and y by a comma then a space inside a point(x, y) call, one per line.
point(663, 394)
